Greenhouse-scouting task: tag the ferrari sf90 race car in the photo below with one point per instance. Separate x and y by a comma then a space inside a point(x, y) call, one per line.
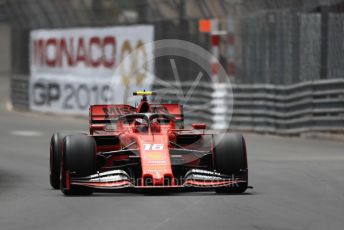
point(146, 148)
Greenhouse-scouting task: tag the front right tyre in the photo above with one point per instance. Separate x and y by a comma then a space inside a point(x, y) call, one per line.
point(78, 160)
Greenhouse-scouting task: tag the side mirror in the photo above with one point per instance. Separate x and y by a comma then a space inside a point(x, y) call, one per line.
point(111, 127)
point(199, 126)
point(98, 127)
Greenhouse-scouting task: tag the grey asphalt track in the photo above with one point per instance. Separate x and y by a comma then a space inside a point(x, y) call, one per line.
point(299, 184)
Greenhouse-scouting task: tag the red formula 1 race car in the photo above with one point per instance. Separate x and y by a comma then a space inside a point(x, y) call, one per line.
point(146, 148)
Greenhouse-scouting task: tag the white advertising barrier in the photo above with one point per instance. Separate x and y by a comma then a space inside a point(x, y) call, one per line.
point(74, 68)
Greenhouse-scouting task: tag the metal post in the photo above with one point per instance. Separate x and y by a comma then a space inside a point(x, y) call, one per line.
point(324, 41)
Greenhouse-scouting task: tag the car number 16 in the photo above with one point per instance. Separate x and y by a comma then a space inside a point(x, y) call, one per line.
point(148, 147)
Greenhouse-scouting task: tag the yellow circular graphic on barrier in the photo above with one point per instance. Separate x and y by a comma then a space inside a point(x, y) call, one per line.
point(134, 69)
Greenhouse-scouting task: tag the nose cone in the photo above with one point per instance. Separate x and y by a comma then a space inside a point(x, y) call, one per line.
point(155, 158)
point(158, 178)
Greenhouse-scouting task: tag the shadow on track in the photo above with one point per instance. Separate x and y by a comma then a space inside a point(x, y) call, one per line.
point(163, 194)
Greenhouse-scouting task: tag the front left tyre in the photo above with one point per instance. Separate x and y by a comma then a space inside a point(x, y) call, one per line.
point(231, 159)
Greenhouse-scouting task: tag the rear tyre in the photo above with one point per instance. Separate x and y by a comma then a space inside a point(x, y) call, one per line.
point(55, 158)
point(231, 159)
point(78, 159)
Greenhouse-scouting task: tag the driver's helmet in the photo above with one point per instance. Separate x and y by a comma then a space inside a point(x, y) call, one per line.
point(141, 125)
point(155, 126)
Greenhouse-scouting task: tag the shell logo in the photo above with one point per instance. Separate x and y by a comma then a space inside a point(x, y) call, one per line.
point(155, 156)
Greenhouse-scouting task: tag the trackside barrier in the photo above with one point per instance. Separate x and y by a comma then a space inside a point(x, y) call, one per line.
point(20, 92)
point(314, 106)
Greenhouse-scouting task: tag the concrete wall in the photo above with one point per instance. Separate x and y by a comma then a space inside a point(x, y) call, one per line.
point(5, 49)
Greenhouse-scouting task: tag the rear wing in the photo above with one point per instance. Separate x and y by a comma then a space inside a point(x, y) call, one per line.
point(104, 114)
point(176, 110)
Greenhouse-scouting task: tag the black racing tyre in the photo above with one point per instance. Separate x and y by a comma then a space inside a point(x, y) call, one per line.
point(55, 158)
point(78, 157)
point(231, 159)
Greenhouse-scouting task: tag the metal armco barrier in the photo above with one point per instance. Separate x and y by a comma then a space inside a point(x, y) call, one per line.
point(315, 106)
point(20, 92)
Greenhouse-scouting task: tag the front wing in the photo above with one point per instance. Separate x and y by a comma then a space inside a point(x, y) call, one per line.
point(119, 179)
